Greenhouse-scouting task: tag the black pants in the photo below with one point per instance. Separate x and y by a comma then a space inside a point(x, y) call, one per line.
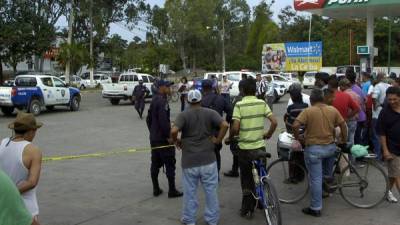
point(246, 178)
point(296, 173)
point(235, 151)
point(217, 150)
point(163, 157)
point(361, 135)
point(139, 106)
point(183, 102)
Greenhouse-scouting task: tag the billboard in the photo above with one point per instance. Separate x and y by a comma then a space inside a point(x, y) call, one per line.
point(292, 56)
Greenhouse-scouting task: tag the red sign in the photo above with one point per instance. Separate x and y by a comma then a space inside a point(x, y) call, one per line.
point(52, 53)
point(300, 5)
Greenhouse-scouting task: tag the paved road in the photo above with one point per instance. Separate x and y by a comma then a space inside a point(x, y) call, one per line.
point(117, 189)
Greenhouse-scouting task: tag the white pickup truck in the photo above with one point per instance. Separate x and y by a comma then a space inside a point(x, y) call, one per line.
point(124, 88)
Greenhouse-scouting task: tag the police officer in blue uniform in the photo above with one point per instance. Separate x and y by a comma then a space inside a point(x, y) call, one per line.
point(140, 92)
point(162, 153)
point(217, 102)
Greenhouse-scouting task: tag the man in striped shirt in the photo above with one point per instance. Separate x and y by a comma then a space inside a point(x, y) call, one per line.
point(248, 123)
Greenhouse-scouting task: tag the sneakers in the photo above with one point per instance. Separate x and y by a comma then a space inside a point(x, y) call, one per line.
point(175, 194)
point(246, 214)
point(390, 197)
point(311, 212)
point(231, 173)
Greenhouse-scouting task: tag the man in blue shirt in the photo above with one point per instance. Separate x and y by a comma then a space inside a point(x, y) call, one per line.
point(163, 152)
point(366, 78)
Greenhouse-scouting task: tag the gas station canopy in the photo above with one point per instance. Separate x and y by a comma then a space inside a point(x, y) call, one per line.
point(350, 9)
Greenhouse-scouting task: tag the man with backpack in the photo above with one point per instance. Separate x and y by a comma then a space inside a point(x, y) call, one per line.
point(217, 103)
point(163, 152)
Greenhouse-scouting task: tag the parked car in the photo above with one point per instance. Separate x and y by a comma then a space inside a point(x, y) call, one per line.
point(341, 70)
point(291, 77)
point(309, 79)
point(98, 79)
point(8, 83)
point(209, 75)
point(123, 90)
point(279, 86)
point(235, 77)
point(76, 82)
point(33, 92)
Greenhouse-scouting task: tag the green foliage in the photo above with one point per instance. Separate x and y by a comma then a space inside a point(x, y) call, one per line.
point(77, 54)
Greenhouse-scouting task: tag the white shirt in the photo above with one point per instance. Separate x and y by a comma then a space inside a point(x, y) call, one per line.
point(225, 87)
point(11, 163)
point(306, 99)
point(379, 94)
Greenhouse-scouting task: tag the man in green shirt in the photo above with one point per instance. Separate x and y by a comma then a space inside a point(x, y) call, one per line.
point(248, 123)
point(12, 208)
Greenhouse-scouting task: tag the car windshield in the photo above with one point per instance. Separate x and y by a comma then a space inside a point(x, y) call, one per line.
point(234, 76)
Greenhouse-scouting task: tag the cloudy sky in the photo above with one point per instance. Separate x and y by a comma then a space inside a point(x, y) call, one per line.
point(129, 34)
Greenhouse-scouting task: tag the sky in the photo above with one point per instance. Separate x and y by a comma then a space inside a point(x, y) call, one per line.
point(129, 34)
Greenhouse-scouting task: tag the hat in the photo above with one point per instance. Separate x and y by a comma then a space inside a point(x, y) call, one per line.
point(194, 96)
point(207, 83)
point(294, 88)
point(25, 121)
point(164, 83)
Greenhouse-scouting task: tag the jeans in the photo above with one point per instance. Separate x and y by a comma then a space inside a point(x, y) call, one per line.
point(352, 127)
point(375, 139)
point(315, 156)
point(361, 136)
point(208, 177)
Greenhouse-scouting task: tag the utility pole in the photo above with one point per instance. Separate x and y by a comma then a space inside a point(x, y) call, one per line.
point(390, 45)
point(309, 43)
point(91, 44)
point(69, 41)
point(223, 46)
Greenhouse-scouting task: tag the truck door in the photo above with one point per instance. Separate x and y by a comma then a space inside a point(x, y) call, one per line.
point(62, 91)
point(49, 91)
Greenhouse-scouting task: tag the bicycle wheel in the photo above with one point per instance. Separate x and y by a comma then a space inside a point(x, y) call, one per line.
point(364, 186)
point(273, 211)
point(291, 190)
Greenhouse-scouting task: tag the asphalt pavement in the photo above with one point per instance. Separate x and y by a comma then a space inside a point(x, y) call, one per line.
point(116, 189)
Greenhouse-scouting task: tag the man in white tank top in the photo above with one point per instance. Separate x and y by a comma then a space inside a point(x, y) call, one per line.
point(21, 160)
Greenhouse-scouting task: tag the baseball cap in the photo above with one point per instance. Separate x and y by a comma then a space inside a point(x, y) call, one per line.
point(164, 83)
point(294, 88)
point(194, 96)
point(25, 121)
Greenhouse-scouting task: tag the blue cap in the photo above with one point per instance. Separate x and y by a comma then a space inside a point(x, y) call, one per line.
point(207, 83)
point(164, 83)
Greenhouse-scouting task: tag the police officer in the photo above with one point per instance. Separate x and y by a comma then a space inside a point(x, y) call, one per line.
point(162, 153)
point(140, 92)
point(215, 101)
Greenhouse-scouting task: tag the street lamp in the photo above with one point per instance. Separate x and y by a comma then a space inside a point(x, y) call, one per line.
point(222, 32)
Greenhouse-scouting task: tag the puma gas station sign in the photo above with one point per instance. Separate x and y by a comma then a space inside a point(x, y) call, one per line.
point(303, 5)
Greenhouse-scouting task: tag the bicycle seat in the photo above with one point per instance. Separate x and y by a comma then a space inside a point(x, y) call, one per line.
point(262, 155)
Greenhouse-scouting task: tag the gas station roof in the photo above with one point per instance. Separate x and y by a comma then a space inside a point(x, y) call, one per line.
point(349, 9)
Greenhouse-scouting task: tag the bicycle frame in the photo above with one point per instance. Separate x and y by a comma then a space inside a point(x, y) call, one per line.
point(262, 174)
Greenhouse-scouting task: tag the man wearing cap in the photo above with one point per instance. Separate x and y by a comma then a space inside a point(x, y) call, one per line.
point(198, 125)
point(21, 160)
point(162, 153)
point(140, 92)
point(217, 103)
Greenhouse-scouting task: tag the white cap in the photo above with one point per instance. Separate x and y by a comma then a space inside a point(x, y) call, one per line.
point(194, 96)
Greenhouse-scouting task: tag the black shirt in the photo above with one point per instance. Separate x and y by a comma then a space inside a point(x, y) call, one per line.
point(389, 126)
point(217, 103)
point(293, 111)
point(160, 123)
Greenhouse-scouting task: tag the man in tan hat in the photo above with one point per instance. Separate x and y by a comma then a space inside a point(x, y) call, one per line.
point(21, 160)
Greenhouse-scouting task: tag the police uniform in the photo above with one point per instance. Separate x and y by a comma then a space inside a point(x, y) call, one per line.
point(160, 129)
point(140, 92)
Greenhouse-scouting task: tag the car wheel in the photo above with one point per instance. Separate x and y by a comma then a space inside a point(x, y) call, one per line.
point(276, 97)
point(8, 111)
point(305, 87)
point(75, 103)
point(35, 107)
point(114, 101)
point(50, 107)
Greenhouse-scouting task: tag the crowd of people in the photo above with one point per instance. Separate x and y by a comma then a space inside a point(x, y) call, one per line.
point(340, 110)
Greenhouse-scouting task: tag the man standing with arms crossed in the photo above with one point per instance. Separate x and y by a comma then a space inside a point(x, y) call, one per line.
point(162, 153)
point(22, 161)
point(248, 123)
point(198, 126)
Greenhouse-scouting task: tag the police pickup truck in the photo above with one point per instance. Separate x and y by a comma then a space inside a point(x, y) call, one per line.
point(33, 92)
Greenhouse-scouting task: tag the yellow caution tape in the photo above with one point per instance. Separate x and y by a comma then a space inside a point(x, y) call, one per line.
point(101, 154)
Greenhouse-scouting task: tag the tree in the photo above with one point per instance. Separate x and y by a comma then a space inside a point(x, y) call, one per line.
point(114, 49)
point(76, 53)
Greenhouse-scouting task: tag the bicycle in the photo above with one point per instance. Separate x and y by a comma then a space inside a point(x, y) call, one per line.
point(355, 183)
point(266, 194)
